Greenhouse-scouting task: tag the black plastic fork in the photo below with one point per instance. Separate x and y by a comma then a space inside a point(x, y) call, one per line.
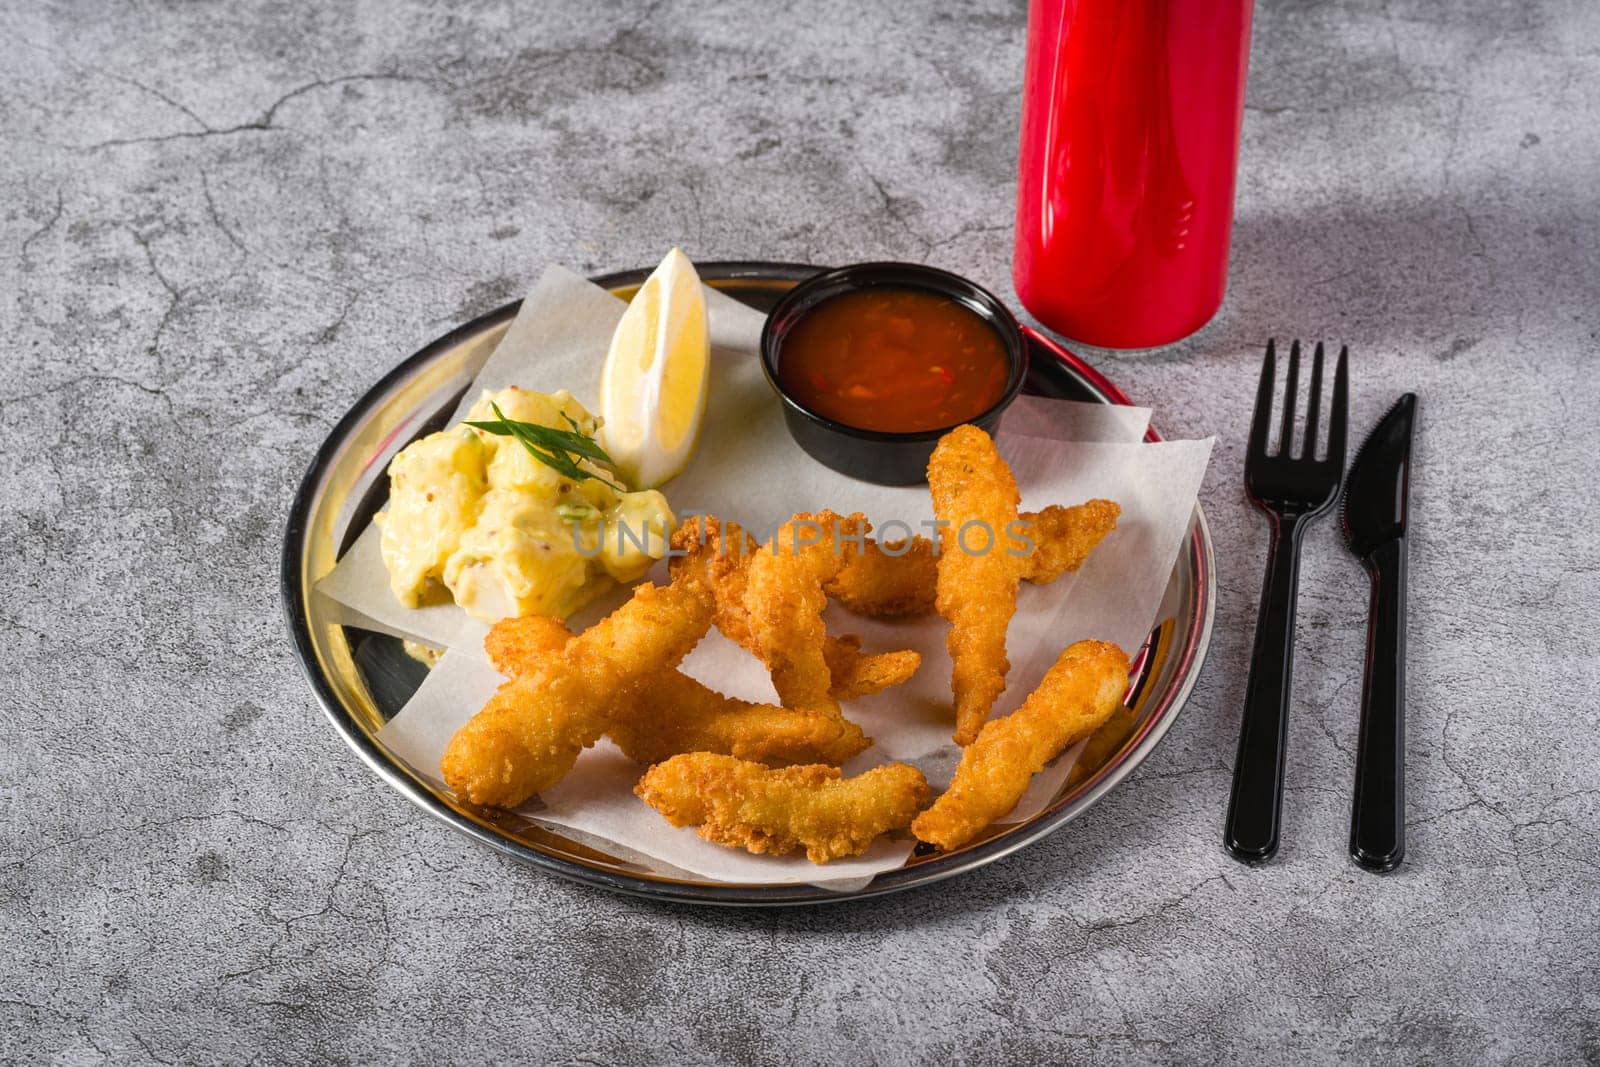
point(1292, 489)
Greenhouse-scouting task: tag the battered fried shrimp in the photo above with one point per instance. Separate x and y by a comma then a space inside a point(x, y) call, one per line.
point(897, 578)
point(975, 496)
point(784, 602)
point(747, 805)
point(718, 552)
point(529, 734)
point(888, 579)
point(670, 713)
point(857, 675)
point(1064, 537)
point(1077, 695)
point(667, 712)
point(523, 645)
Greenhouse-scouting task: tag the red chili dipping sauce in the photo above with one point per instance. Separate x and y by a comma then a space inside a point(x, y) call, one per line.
point(896, 360)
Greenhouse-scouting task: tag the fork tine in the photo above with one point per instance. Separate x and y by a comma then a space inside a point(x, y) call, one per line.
point(1263, 416)
point(1338, 417)
point(1314, 410)
point(1291, 392)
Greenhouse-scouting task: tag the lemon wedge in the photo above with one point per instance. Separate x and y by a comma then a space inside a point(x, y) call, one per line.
point(653, 387)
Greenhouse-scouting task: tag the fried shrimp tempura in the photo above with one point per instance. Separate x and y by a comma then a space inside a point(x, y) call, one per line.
point(893, 579)
point(1063, 537)
point(975, 495)
point(888, 579)
point(718, 553)
point(746, 805)
point(668, 712)
point(671, 713)
point(856, 674)
point(784, 602)
point(1077, 695)
point(529, 734)
point(521, 646)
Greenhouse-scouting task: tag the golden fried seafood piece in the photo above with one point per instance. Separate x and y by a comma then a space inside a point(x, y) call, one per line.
point(1077, 695)
point(718, 552)
point(888, 579)
point(855, 674)
point(976, 497)
point(784, 602)
point(896, 578)
point(529, 734)
point(522, 646)
point(668, 712)
point(747, 805)
point(1063, 537)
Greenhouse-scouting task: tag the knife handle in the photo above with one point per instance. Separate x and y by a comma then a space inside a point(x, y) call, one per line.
point(1251, 833)
point(1378, 814)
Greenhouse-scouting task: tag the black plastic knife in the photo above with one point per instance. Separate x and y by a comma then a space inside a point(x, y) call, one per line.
point(1376, 499)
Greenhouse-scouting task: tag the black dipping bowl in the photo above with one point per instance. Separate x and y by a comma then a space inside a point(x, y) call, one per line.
point(876, 455)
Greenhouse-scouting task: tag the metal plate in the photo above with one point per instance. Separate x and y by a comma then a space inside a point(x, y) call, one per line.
point(361, 678)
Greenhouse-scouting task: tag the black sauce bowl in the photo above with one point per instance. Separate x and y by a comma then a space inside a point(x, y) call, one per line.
point(887, 458)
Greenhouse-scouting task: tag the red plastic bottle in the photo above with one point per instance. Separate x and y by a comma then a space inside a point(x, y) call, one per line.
point(1130, 138)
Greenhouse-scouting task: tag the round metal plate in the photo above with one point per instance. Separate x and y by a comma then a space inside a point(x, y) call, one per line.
point(361, 678)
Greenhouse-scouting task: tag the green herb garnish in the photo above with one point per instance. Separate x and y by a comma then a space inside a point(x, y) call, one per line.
point(577, 512)
point(554, 448)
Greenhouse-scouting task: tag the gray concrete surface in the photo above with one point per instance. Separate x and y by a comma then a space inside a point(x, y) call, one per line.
point(222, 222)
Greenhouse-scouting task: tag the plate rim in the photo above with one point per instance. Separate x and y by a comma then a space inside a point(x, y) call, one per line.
point(294, 594)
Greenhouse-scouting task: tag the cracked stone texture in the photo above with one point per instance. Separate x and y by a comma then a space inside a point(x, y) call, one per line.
point(223, 222)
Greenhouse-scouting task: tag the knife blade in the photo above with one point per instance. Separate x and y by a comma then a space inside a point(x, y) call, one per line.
point(1374, 517)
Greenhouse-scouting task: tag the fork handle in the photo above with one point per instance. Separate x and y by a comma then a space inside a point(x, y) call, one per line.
point(1377, 819)
point(1253, 810)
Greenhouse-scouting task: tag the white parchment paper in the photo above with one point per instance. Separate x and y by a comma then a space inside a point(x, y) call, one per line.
point(747, 468)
